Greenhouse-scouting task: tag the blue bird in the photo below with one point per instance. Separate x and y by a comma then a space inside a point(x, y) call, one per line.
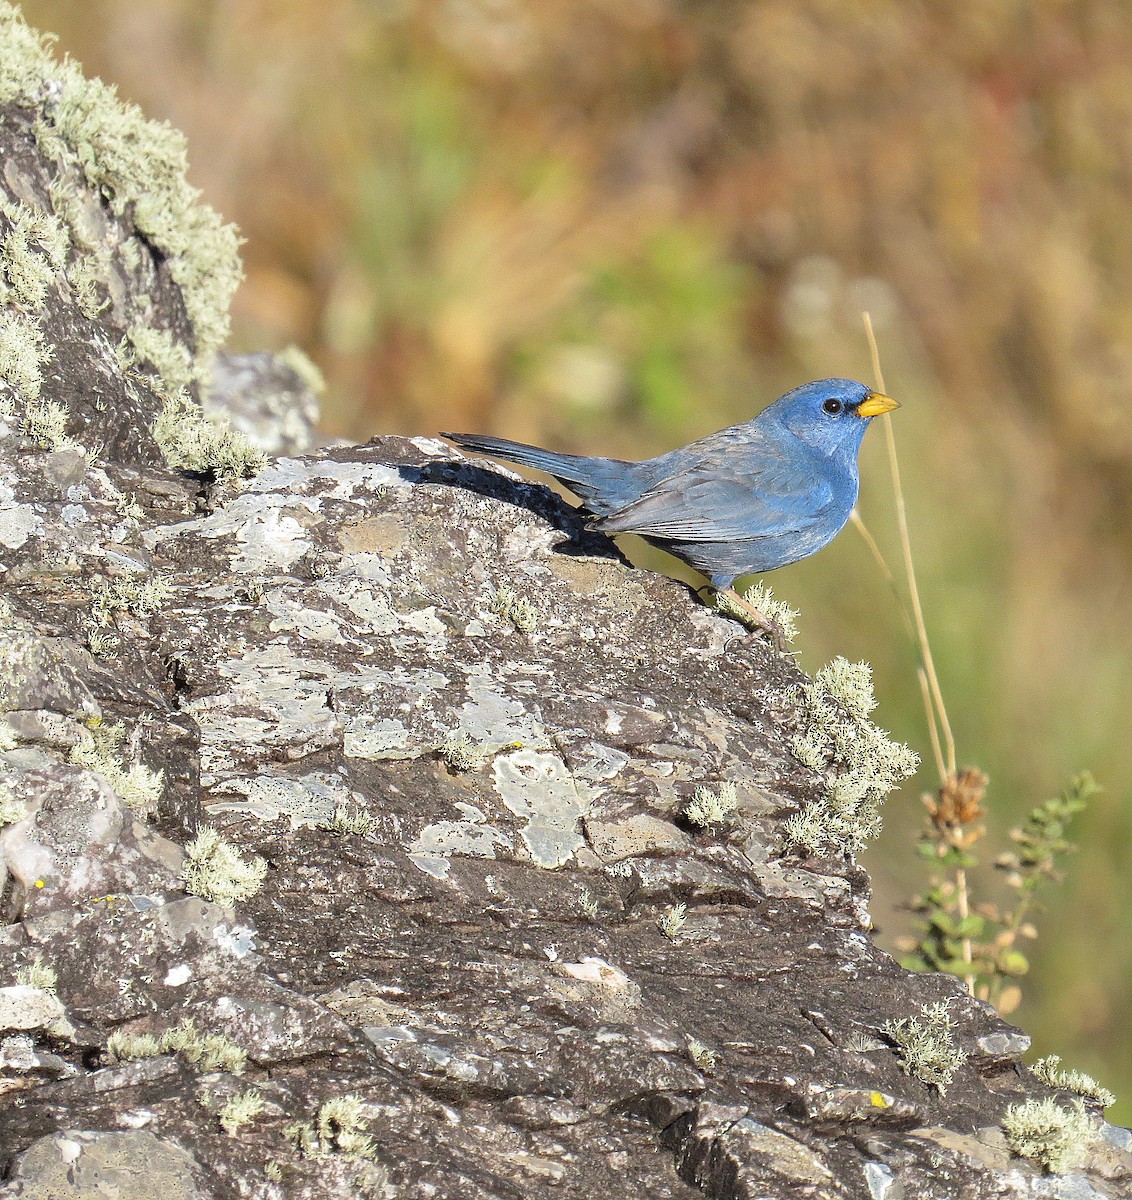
point(748, 499)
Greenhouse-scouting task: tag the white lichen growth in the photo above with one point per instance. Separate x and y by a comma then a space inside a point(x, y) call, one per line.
point(1054, 1137)
point(136, 164)
point(193, 440)
point(11, 809)
point(348, 822)
point(100, 749)
point(240, 1110)
point(209, 1051)
point(859, 761)
point(671, 920)
point(702, 1055)
point(33, 251)
point(124, 1046)
point(1050, 1071)
point(22, 357)
point(45, 422)
point(338, 1128)
point(521, 613)
point(926, 1045)
point(462, 754)
point(712, 808)
point(215, 870)
point(142, 597)
point(761, 598)
point(589, 904)
point(39, 975)
point(170, 359)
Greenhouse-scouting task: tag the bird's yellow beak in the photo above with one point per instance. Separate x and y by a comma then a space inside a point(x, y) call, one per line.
point(876, 403)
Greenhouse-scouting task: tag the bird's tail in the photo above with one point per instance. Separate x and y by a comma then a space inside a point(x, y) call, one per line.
point(603, 483)
point(570, 468)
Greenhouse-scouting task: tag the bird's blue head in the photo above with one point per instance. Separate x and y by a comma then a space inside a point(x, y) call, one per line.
point(829, 415)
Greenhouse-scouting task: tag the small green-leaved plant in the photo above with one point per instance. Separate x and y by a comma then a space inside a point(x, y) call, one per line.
point(926, 1045)
point(982, 942)
point(1056, 1138)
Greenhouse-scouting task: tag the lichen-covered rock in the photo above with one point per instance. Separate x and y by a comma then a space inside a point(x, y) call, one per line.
point(433, 749)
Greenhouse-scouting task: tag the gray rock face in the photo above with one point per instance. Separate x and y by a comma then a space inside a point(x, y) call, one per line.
point(487, 956)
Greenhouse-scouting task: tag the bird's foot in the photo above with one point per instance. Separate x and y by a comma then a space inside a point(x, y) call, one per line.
point(731, 604)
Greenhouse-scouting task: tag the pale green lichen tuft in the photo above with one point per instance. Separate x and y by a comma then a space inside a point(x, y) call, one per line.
point(521, 613)
point(1050, 1071)
point(171, 359)
point(712, 808)
point(703, 1055)
point(926, 1045)
point(11, 809)
point(192, 440)
point(45, 422)
point(136, 163)
point(209, 1051)
point(22, 356)
point(240, 1110)
point(462, 754)
point(33, 252)
point(100, 749)
point(142, 597)
point(859, 761)
point(671, 920)
point(39, 975)
point(1054, 1137)
point(215, 870)
point(124, 1046)
point(348, 822)
point(761, 598)
point(338, 1128)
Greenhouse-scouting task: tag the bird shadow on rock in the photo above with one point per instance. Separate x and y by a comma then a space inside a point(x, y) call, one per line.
point(580, 541)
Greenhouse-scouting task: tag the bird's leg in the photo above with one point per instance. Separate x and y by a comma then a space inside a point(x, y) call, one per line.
point(743, 610)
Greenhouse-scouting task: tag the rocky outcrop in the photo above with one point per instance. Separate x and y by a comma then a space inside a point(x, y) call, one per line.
point(345, 844)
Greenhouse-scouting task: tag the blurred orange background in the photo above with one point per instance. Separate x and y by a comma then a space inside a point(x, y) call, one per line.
point(615, 225)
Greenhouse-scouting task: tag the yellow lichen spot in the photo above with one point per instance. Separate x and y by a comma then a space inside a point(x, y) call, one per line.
point(880, 1100)
point(40, 884)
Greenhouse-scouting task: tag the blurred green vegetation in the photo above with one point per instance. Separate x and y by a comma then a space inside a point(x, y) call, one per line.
point(614, 225)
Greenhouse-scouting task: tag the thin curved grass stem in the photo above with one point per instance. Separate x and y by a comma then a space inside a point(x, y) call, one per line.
point(910, 568)
point(933, 725)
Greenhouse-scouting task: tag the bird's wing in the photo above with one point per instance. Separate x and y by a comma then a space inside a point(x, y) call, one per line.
point(756, 491)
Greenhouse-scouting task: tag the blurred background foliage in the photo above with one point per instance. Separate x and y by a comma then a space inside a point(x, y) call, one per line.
point(614, 225)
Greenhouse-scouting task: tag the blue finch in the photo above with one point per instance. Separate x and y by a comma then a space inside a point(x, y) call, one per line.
point(742, 501)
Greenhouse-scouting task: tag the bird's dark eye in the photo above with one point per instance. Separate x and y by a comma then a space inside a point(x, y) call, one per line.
point(832, 406)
